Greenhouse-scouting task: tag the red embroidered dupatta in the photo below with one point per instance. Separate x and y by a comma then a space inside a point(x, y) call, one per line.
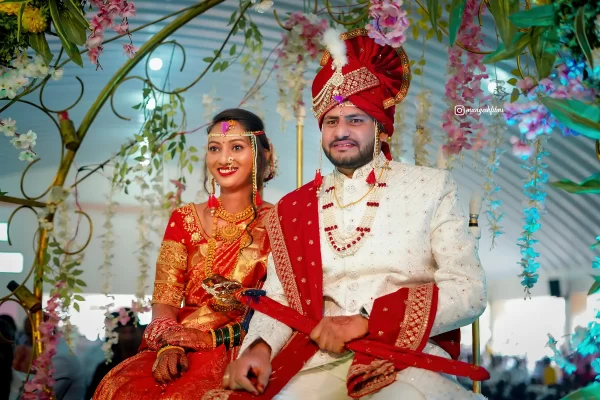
point(399, 325)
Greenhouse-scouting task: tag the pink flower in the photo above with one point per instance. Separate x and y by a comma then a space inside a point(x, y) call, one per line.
point(389, 22)
point(129, 49)
point(94, 40)
point(121, 28)
point(520, 148)
point(129, 10)
point(93, 54)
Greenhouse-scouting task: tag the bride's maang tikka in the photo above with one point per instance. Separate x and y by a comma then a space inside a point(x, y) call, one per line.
point(226, 131)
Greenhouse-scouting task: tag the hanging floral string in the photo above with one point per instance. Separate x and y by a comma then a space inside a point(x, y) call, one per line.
point(108, 244)
point(40, 387)
point(536, 194)
point(301, 45)
point(107, 16)
point(463, 87)
point(389, 22)
point(491, 188)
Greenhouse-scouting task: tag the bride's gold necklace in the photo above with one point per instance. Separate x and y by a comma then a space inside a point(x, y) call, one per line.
point(233, 229)
point(229, 233)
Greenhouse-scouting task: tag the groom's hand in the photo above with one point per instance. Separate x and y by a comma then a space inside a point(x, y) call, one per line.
point(332, 333)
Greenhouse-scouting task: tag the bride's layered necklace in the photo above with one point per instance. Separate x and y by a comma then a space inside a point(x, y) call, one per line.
point(347, 244)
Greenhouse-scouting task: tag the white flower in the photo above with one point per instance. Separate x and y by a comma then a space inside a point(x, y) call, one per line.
point(8, 126)
point(27, 155)
point(20, 61)
point(57, 74)
point(45, 224)
point(263, 5)
point(58, 195)
point(28, 139)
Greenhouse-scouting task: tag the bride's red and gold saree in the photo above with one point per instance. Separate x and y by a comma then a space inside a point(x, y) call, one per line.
point(180, 271)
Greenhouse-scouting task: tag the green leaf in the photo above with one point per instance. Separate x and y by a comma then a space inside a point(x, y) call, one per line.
point(80, 282)
point(232, 18)
point(520, 41)
point(38, 42)
point(232, 50)
point(588, 186)
point(76, 306)
point(432, 8)
point(595, 287)
point(543, 50)
point(224, 65)
point(415, 32)
point(73, 29)
point(77, 13)
point(3, 193)
point(512, 81)
point(79, 297)
point(581, 117)
point(20, 20)
point(456, 13)
point(429, 34)
point(589, 392)
point(501, 10)
point(536, 16)
point(582, 37)
point(216, 66)
point(77, 272)
point(514, 96)
point(208, 59)
point(70, 48)
point(417, 71)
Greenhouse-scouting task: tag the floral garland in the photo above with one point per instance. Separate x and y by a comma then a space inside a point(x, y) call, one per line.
point(536, 194)
point(13, 79)
point(535, 121)
point(491, 188)
point(422, 136)
point(108, 243)
point(532, 118)
point(108, 12)
point(35, 389)
point(389, 22)
point(463, 87)
point(301, 45)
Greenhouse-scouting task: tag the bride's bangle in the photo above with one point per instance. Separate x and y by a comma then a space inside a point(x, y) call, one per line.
point(168, 347)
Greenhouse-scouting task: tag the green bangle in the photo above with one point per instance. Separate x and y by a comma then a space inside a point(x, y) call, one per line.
point(219, 336)
point(226, 338)
point(237, 334)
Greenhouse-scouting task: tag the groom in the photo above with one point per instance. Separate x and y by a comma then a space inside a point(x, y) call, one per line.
point(377, 250)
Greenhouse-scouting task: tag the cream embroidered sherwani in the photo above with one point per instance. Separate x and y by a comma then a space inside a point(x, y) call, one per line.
point(419, 235)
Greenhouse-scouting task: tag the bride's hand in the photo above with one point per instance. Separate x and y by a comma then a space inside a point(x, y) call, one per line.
point(188, 338)
point(169, 365)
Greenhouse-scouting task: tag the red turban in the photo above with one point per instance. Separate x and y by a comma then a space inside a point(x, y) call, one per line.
point(375, 79)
